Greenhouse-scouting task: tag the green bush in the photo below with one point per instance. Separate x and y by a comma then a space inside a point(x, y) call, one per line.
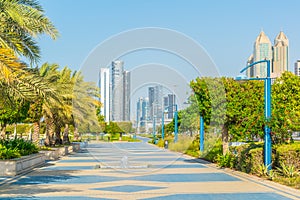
point(213, 153)
point(23, 147)
point(249, 157)
point(227, 160)
point(8, 153)
point(287, 155)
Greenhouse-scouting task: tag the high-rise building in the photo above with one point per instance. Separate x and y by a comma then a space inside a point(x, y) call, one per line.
point(171, 105)
point(142, 111)
point(262, 51)
point(155, 101)
point(126, 96)
point(250, 71)
point(280, 55)
point(151, 94)
point(117, 91)
point(104, 93)
point(297, 68)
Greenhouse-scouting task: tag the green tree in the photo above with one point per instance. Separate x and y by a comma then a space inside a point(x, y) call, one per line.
point(285, 107)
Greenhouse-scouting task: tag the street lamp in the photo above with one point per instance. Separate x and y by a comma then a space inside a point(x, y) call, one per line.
point(154, 128)
point(175, 123)
point(201, 134)
point(267, 96)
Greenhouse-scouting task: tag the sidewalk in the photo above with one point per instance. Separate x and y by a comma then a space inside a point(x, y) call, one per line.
point(138, 171)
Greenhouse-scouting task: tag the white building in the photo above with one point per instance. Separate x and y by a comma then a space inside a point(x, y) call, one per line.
point(280, 55)
point(297, 68)
point(105, 93)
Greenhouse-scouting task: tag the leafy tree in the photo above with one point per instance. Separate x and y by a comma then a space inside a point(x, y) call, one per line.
point(285, 107)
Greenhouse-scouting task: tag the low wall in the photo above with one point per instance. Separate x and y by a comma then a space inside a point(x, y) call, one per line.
point(19, 165)
point(56, 153)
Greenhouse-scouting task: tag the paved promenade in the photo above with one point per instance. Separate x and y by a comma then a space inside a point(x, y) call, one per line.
point(136, 171)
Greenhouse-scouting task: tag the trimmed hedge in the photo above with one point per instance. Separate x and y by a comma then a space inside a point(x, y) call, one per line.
point(249, 157)
point(288, 154)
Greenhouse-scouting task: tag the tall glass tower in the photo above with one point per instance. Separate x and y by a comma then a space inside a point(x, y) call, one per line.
point(117, 102)
point(262, 51)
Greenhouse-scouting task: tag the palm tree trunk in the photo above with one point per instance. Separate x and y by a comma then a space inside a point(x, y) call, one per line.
point(15, 131)
point(3, 131)
point(58, 139)
point(66, 139)
point(225, 140)
point(49, 141)
point(76, 134)
point(36, 133)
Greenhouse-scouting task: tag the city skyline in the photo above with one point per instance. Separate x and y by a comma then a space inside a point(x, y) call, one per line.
point(222, 34)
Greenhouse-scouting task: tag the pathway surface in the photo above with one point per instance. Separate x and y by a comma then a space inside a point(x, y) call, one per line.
point(135, 171)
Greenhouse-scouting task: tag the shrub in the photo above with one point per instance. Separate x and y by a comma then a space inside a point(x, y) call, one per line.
point(213, 153)
point(288, 171)
point(288, 155)
point(182, 144)
point(22, 146)
point(249, 157)
point(227, 160)
point(8, 153)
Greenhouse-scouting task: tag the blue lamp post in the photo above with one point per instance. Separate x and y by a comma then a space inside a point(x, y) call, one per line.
point(154, 128)
point(175, 123)
point(163, 125)
point(201, 133)
point(267, 96)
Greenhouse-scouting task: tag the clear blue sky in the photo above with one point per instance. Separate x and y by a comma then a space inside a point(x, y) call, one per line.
point(226, 29)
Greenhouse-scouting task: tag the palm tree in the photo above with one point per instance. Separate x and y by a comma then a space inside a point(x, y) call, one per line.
point(85, 105)
point(21, 22)
point(18, 86)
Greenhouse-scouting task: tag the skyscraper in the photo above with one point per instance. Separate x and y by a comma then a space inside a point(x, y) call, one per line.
point(171, 107)
point(151, 101)
point(117, 90)
point(280, 55)
point(126, 96)
point(297, 68)
point(250, 71)
point(104, 93)
point(262, 51)
point(142, 111)
point(155, 101)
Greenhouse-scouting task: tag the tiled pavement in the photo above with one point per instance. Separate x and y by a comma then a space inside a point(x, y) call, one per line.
point(134, 171)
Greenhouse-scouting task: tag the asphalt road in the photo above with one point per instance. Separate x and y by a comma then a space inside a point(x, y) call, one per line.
point(136, 171)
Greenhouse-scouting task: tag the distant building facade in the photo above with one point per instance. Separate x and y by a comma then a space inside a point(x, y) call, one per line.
point(115, 87)
point(155, 101)
point(104, 85)
point(142, 111)
point(126, 95)
point(280, 55)
point(117, 90)
point(297, 68)
point(277, 54)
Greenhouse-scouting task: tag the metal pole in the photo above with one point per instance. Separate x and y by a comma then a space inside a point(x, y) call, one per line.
point(268, 113)
point(201, 134)
point(268, 141)
point(176, 125)
point(163, 126)
point(153, 129)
